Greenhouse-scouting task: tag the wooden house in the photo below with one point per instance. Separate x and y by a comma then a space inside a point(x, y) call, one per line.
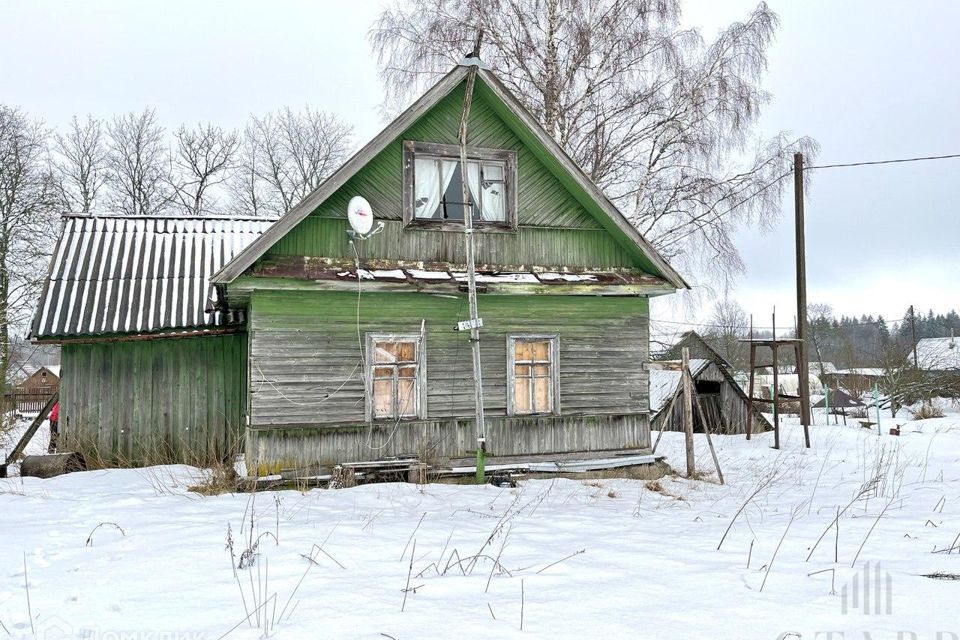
point(44, 381)
point(322, 348)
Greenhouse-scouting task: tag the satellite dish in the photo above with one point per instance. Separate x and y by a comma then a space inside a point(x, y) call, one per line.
point(360, 215)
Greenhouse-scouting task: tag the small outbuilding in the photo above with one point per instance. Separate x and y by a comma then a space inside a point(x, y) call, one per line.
point(723, 400)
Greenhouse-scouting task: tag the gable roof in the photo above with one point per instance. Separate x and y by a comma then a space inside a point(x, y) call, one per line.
point(699, 348)
point(665, 380)
point(609, 216)
point(118, 274)
point(938, 354)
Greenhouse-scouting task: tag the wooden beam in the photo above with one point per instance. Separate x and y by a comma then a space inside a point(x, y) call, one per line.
point(688, 412)
point(28, 434)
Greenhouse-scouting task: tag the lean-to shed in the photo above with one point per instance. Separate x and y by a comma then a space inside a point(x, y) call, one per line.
point(153, 361)
point(723, 400)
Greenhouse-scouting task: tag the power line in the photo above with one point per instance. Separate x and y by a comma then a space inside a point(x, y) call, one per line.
point(874, 162)
point(864, 163)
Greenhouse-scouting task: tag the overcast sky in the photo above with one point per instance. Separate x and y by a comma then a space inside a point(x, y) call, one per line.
point(868, 80)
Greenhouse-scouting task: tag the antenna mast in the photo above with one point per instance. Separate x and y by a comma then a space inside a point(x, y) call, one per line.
point(475, 322)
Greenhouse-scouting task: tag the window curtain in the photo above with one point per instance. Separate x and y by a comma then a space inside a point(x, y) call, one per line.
point(431, 178)
point(489, 195)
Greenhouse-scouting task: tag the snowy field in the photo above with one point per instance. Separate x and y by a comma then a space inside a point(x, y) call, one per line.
point(561, 558)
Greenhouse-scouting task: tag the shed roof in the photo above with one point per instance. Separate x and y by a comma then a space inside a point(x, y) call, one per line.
point(665, 380)
point(113, 274)
point(938, 354)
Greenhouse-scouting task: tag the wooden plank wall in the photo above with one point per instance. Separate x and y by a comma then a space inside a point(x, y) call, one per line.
point(270, 450)
point(555, 230)
point(306, 371)
point(148, 401)
point(731, 408)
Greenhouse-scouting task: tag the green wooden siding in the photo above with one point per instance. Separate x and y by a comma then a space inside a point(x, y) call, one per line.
point(306, 370)
point(149, 401)
point(556, 230)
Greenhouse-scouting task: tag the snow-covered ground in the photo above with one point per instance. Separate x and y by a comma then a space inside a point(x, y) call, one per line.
point(605, 558)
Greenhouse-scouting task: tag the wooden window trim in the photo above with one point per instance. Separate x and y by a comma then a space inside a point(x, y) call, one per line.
point(554, 340)
point(420, 392)
point(410, 150)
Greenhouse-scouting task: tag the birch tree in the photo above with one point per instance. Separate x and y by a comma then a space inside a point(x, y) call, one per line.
point(137, 164)
point(202, 159)
point(285, 156)
point(662, 119)
point(27, 221)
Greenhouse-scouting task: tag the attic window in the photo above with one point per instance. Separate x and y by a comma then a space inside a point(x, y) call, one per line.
point(433, 186)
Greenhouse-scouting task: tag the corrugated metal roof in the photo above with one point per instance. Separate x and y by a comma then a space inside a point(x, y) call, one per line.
point(117, 274)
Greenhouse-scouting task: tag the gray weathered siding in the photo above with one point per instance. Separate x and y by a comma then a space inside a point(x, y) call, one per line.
point(154, 401)
point(306, 372)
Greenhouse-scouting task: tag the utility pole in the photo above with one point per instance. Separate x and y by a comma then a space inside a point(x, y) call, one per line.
point(474, 322)
point(913, 336)
point(803, 368)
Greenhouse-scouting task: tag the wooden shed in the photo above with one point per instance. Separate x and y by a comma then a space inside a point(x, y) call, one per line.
point(723, 400)
point(153, 362)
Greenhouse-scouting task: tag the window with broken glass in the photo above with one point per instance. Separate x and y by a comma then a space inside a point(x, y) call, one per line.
point(395, 372)
point(434, 186)
point(533, 385)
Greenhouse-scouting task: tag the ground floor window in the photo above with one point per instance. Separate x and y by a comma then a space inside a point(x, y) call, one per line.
point(533, 385)
point(395, 376)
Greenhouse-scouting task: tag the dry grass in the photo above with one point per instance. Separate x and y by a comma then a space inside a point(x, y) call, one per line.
point(927, 410)
point(217, 479)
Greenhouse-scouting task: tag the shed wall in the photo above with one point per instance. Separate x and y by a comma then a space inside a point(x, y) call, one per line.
point(147, 401)
point(730, 412)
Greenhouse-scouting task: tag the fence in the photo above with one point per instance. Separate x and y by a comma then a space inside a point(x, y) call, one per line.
point(25, 402)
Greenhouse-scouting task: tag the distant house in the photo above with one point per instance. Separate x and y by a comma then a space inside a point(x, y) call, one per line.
point(723, 400)
point(44, 380)
point(32, 392)
point(857, 380)
point(304, 346)
point(938, 354)
point(788, 384)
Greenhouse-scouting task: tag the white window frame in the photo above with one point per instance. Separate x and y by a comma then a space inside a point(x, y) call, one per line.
point(554, 340)
point(420, 380)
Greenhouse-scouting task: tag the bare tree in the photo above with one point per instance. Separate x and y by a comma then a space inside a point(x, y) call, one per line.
point(285, 156)
point(80, 164)
point(658, 117)
point(819, 319)
point(202, 159)
point(729, 326)
point(136, 163)
point(27, 221)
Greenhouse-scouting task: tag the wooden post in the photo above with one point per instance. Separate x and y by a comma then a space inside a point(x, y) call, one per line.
point(688, 411)
point(776, 385)
point(706, 425)
point(750, 390)
point(802, 365)
point(471, 267)
point(913, 337)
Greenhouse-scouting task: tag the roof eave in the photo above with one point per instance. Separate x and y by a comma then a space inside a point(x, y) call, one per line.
point(245, 259)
